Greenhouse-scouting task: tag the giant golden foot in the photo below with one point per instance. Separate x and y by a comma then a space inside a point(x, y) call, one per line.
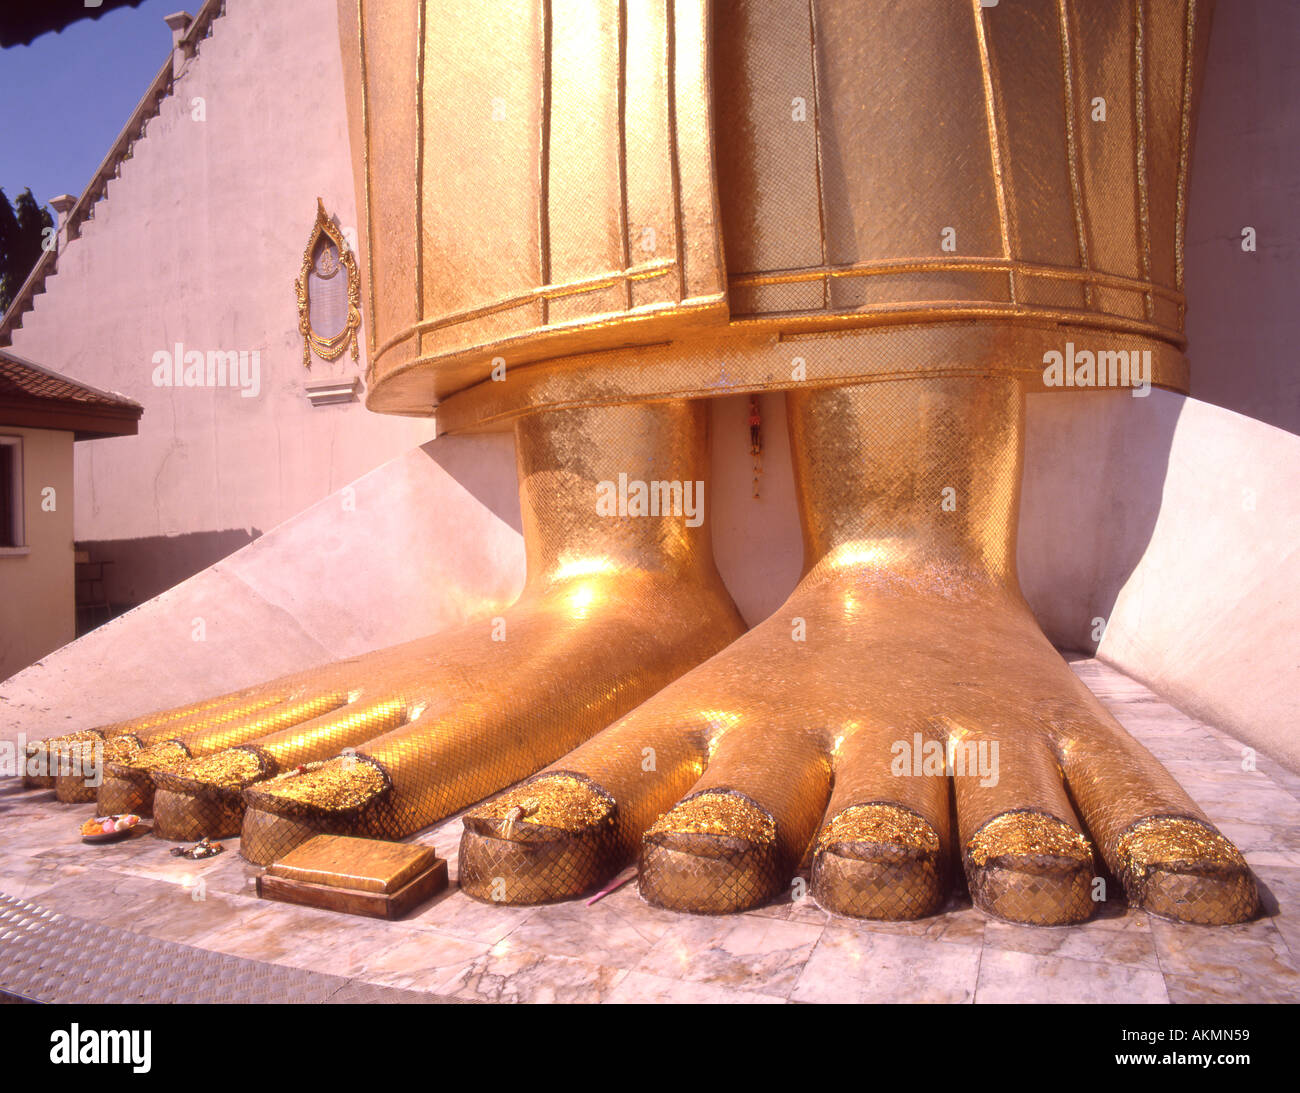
point(615, 606)
point(903, 683)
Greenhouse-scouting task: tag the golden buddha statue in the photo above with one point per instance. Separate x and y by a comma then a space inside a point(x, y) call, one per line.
point(584, 218)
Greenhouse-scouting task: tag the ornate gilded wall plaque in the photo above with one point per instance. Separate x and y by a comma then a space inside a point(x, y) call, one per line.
point(329, 293)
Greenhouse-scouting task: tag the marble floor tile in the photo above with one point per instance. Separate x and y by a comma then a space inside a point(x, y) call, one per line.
point(787, 908)
point(509, 973)
point(1126, 940)
point(853, 966)
point(641, 988)
point(745, 952)
point(421, 960)
point(154, 860)
point(454, 913)
point(230, 874)
point(53, 834)
point(1182, 746)
point(1022, 978)
point(1279, 775)
point(172, 912)
point(1280, 897)
point(24, 886)
point(302, 937)
point(807, 911)
point(1253, 955)
point(960, 923)
point(619, 928)
point(185, 914)
point(1226, 771)
point(607, 932)
point(1189, 990)
point(32, 818)
point(28, 877)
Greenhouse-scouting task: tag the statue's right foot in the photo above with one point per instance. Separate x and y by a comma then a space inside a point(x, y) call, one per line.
point(904, 682)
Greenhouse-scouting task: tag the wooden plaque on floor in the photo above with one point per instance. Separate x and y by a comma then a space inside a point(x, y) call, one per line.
point(356, 876)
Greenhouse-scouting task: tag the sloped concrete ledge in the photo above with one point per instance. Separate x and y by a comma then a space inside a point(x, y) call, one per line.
point(1210, 616)
point(421, 543)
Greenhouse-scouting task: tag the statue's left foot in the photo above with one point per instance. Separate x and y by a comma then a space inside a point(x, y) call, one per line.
point(905, 680)
point(892, 698)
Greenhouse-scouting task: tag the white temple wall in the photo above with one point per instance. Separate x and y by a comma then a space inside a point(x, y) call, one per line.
point(1242, 322)
point(199, 242)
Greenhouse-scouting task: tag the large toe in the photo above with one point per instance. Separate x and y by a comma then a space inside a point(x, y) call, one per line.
point(1032, 867)
point(548, 839)
point(339, 796)
point(714, 852)
point(573, 826)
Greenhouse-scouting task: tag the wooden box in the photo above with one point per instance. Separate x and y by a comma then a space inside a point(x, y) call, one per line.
point(356, 876)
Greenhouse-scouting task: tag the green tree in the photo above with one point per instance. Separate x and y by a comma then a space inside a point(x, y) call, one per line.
point(22, 237)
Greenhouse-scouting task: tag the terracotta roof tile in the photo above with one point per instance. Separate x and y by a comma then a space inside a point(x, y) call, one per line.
point(20, 378)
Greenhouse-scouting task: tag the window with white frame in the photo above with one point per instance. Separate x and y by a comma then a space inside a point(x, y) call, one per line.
point(11, 491)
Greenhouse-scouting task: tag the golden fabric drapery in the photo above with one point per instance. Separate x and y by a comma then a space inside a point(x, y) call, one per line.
point(603, 200)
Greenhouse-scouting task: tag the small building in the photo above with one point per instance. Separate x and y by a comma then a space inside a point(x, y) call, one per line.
point(42, 414)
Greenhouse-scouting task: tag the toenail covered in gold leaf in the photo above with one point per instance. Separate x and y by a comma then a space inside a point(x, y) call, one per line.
point(58, 743)
point(1031, 868)
point(121, 749)
point(548, 839)
point(76, 764)
point(54, 746)
point(723, 814)
point(713, 853)
point(228, 769)
point(1185, 870)
point(336, 785)
point(558, 801)
point(892, 829)
point(166, 755)
point(1168, 841)
point(1027, 834)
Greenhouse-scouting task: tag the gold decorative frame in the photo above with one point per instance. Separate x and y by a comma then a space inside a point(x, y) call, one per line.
point(328, 348)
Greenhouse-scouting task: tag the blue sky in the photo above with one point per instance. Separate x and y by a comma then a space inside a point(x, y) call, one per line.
point(67, 95)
